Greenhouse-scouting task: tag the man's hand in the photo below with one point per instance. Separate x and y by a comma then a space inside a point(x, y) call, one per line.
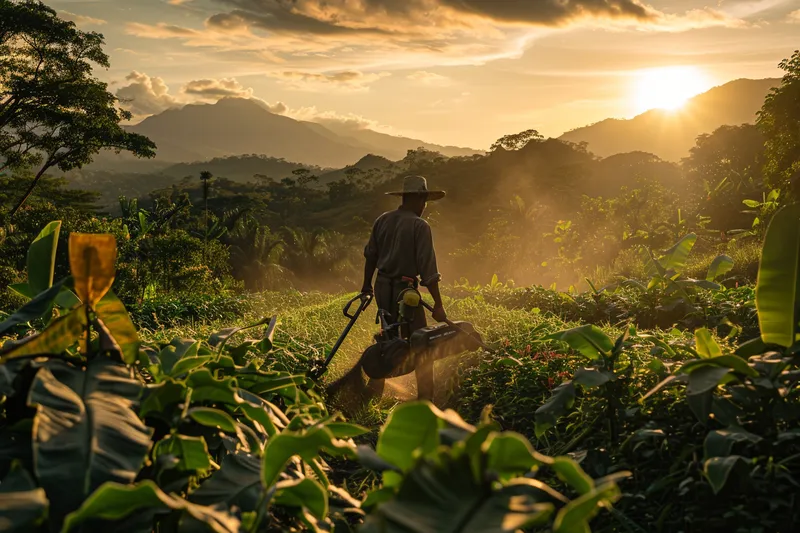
point(438, 313)
point(367, 290)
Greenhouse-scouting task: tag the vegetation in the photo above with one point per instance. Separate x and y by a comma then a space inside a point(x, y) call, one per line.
point(154, 356)
point(100, 431)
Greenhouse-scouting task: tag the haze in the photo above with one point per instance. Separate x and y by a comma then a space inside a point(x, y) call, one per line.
point(451, 72)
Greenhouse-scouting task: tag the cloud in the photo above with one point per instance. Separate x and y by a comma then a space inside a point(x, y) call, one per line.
point(211, 89)
point(370, 35)
point(794, 17)
point(145, 95)
point(346, 80)
point(337, 121)
point(81, 20)
point(429, 78)
point(148, 95)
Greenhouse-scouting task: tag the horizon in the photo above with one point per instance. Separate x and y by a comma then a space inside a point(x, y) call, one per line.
point(449, 73)
point(677, 111)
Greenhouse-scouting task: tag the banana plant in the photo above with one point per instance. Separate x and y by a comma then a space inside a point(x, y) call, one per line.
point(746, 398)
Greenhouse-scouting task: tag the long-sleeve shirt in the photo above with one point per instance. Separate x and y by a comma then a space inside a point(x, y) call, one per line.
point(401, 244)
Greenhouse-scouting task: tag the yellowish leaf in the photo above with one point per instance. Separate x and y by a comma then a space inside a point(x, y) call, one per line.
point(92, 258)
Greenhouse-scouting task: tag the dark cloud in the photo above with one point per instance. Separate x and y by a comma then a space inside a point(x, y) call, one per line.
point(329, 17)
point(351, 80)
point(554, 12)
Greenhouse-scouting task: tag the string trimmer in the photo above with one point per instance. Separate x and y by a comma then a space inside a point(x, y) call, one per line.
point(396, 350)
point(364, 300)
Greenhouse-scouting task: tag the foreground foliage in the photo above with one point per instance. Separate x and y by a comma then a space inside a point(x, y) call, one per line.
point(707, 424)
point(101, 432)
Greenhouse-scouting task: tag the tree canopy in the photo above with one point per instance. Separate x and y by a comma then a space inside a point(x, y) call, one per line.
point(53, 112)
point(779, 121)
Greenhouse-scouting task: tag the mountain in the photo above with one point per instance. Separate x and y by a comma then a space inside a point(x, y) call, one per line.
point(393, 147)
point(670, 134)
point(236, 126)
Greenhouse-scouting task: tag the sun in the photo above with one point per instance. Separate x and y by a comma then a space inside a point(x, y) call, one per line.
point(668, 87)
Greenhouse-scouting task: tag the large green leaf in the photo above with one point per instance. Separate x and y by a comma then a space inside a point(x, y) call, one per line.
point(237, 482)
point(213, 418)
point(42, 258)
point(38, 307)
point(675, 258)
point(191, 452)
point(510, 455)
point(410, 427)
point(22, 503)
point(734, 362)
point(184, 366)
point(62, 333)
point(304, 493)
point(207, 388)
point(113, 501)
point(778, 287)
point(720, 443)
point(574, 517)
point(158, 398)
point(305, 445)
point(446, 498)
point(112, 313)
point(221, 338)
point(258, 410)
point(86, 431)
point(591, 377)
point(705, 344)
point(705, 378)
point(719, 469)
point(588, 340)
point(559, 403)
point(721, 265)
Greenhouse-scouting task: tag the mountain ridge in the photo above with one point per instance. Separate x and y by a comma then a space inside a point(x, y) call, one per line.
point(236, 126)
point(670, 135)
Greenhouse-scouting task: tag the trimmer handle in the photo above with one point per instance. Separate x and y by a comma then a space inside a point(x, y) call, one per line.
point(364, 298)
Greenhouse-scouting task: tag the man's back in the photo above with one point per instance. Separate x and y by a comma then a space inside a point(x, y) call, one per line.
point(402, 246)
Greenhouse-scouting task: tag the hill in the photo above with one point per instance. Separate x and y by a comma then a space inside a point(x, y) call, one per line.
point(235, 126)
point(373, 168)
point(670, 135)
point(240, 168)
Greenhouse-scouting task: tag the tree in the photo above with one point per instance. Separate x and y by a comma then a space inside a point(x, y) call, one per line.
point(723, 169)
point(779, 121)
point(304, 176)
point(516, 141)
point(53, 112)
point(205, 178)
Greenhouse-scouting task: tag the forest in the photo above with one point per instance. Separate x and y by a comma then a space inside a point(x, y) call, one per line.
point(159, 328)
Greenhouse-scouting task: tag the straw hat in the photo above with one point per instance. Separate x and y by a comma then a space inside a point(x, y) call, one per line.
point(418, 185)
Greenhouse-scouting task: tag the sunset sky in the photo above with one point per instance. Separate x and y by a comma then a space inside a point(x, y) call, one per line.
point(461, 72)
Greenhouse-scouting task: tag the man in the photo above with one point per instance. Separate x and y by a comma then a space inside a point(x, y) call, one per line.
point(400, 249)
